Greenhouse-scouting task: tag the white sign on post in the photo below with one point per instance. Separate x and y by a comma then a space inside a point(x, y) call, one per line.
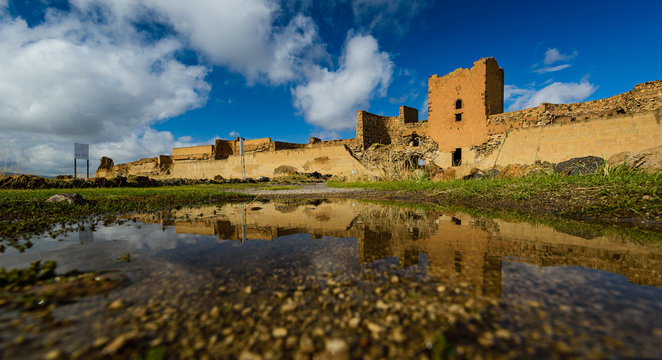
point(82, 151)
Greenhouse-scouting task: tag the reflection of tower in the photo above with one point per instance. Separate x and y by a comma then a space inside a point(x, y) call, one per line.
point(454, 248)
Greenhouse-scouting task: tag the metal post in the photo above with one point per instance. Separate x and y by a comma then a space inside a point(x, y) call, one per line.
point(243, 160)
point(75, 168)
point(88, 169)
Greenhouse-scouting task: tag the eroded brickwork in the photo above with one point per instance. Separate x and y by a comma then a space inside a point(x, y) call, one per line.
point(459, 103)
point(644, 97)
point(376, 129)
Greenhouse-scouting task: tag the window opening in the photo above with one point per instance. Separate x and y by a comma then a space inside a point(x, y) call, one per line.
point(457, 157)
point(458, 117)
point(458, 104)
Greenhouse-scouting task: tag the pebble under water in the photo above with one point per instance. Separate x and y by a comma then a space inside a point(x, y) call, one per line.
point(342, 279)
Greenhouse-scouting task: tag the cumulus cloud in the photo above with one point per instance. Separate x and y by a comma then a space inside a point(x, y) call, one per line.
point(65, 77)
point(296, 50)
point(553, 55)
point(330, 99)
point(556, 93)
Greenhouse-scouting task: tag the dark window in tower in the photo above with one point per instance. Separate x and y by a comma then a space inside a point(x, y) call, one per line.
point(458, 117)
point(458, 104)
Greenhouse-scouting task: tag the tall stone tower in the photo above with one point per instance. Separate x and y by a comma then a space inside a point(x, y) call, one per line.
point(459, 103)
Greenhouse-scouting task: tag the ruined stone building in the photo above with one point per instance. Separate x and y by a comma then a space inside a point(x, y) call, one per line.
point(466, 128)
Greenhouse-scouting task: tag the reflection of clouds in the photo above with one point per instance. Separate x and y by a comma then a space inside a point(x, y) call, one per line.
point(100, 248)
point(146, 236)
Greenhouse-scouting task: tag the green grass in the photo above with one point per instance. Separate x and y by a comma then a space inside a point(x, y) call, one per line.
point(24, 213)
point(619, 191)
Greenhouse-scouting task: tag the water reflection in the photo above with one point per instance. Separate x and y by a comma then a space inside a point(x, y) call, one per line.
point(455, 245)
point(332, 263)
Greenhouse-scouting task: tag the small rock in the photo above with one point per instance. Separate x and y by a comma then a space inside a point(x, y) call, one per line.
point(374, 328)
point(398, 335)
point(503, 334)
point(288, 305)
point(53, 355)
point(100, 341)
point(354, 322)
point(306, 344)
point(116, 305)
point(562, 348)
point(247, 355)
point(394, 279)
point(247, 290)
point(336, 346)
point(117, 344)
point(279, 332)
point(215, 312)
point(533, 304)
point(381, 305)
point(486, 340)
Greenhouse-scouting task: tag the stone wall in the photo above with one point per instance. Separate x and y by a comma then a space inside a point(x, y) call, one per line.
point(556, 142)
point(193, 152)
point(644, 97)
point(143, 167)
point(385, 130)
point(336, 160)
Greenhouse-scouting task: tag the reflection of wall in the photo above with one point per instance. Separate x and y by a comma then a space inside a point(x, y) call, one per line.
point(457, 245)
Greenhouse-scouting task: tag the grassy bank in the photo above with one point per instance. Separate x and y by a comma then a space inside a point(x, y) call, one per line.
point(622, 193)
point(25, 212)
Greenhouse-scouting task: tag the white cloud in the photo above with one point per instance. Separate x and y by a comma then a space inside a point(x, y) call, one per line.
point(66, 77)
point(331, 98)
point(233, 134)
point(553, 55)
point(295, 50)
point(548, 69)
point(556, 93)
point(232, 33)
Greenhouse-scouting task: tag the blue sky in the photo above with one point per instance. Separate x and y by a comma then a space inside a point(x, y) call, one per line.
point(133, 78)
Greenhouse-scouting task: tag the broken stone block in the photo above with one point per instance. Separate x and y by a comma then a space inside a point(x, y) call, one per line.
point(76, 199)
point(580, 166)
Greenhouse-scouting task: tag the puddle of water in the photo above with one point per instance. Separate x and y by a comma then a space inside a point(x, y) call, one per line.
point(350, 278)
